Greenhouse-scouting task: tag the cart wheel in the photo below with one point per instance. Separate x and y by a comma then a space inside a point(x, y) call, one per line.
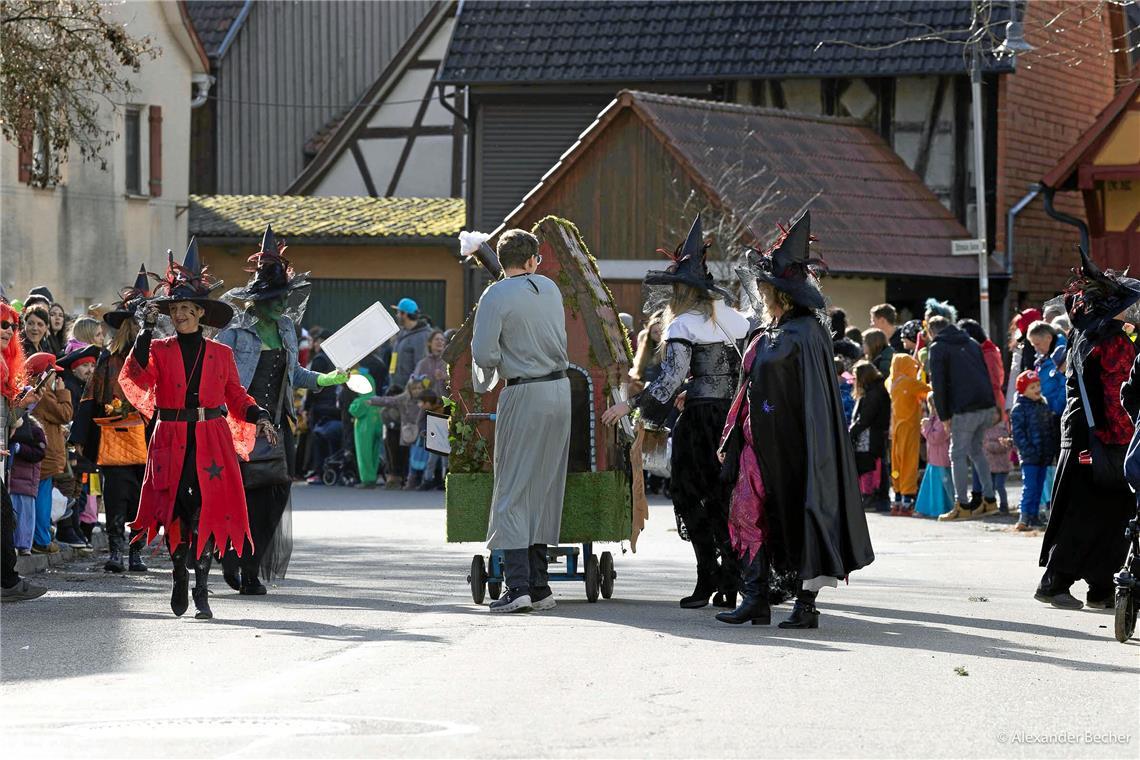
point(329, 477)
point(1125, 614)
point(608, 575)
point(494, 589)
point(478, 578)
point(593, 578)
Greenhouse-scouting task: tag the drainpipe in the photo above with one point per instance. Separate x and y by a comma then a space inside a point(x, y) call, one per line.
point(202, 84)
point(447, 106)
point(1011, 215)
point(1062, 217)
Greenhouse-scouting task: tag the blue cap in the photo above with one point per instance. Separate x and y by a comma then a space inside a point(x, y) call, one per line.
point(408, 306)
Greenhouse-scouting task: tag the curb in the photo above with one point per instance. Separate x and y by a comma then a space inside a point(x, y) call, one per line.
point(38, 563)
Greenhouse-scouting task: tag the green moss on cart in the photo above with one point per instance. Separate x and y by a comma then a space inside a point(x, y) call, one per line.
point(598, 507)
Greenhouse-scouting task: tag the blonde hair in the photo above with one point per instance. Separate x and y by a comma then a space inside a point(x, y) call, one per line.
point(85, 330)
point(124, 339)
point(688, 298)
point(772, 299)
point(646, 346)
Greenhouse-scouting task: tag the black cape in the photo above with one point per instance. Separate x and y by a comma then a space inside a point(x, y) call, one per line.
point(816, 524)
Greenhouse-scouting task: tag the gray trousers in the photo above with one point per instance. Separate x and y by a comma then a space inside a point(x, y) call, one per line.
point(525, 569)
point(967, 431)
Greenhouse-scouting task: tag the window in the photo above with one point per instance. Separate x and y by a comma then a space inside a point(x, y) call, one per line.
point(133, 140)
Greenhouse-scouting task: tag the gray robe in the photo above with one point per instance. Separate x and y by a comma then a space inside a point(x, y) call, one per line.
point(520, 331)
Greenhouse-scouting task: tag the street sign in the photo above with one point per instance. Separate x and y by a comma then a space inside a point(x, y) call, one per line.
point(967, 247)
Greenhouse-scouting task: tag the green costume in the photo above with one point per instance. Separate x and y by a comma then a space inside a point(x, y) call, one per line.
point(368, 432)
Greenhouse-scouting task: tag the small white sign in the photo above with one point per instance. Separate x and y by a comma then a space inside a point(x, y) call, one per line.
point(367, 331)
point(967, 247)
point(437, 440)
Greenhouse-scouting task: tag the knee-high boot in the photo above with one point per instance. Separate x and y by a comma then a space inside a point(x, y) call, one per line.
point(231, 569)
point(178, 596)
point(201, 592)
point(804, 612)
point(251, 585)
point(708, 571)
point(754, 605)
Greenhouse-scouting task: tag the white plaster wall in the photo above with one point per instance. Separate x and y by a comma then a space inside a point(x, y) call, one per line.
point(856, 296)
point(84, 238)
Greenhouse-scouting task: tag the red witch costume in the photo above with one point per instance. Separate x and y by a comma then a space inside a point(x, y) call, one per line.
point(205, 420)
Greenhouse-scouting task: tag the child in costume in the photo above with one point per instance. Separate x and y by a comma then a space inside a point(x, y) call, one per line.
point(935, 496)
point(907, 393)
point(368, 434)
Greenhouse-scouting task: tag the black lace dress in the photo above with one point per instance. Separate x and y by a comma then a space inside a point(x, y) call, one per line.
point(270, 508)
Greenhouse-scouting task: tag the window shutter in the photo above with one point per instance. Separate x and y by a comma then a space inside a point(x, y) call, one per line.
point(156, 151)
point(24, 162)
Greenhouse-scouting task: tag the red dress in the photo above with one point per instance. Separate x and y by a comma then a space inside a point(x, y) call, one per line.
point(219, 442)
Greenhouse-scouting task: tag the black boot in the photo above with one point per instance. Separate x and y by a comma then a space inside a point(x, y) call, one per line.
point(114, 562)
point(231, 569)
point(178, 597)
point(754, 606)
point(201, 591)
point(708, 573)
point(250, 585)
point(804, 614)
point(729, 577)
point(134, 560)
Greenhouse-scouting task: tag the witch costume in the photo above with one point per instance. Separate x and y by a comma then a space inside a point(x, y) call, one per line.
point(192, 489)
point(796, 504)
point(1092, 503)
point(702, 358)
point(104, 398)
point(270, 373)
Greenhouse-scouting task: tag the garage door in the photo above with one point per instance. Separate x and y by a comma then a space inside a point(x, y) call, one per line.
point(334, 302)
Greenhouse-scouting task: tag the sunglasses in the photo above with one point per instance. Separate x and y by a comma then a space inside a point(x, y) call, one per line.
point(5, 325)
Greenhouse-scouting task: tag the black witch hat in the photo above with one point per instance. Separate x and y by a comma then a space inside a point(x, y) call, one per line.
point(689, 265)
point(273, 275)
point(1094, 298)
point(786, 265)
point(129, 300)
point(190, 281)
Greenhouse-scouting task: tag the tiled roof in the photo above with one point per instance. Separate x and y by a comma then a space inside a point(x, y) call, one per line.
point(212, 20)
point(871, 213)
point(297, 217)
point(649, 40)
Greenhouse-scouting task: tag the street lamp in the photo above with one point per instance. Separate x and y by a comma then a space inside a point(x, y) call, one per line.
point(1013, 44)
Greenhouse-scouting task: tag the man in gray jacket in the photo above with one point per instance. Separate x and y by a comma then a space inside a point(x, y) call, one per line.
point(411, 343)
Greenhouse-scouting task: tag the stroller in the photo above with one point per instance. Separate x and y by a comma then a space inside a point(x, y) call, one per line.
point(340, 469)
point(1128, 579)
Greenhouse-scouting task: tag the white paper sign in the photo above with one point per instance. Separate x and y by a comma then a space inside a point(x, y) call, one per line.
point(437, 440)
point(367, 331)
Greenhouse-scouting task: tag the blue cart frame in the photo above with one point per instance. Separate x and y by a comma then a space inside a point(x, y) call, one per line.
point(597, 573)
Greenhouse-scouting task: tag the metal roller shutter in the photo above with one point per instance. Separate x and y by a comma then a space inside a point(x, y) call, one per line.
point(334, 302)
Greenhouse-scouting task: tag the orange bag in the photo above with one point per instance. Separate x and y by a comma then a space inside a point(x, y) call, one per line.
point(122, 440)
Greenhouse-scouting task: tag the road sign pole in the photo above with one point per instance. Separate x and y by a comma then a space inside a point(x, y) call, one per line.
point(980, 192)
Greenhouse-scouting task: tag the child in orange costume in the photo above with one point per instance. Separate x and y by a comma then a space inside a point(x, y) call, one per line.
point(907, 394)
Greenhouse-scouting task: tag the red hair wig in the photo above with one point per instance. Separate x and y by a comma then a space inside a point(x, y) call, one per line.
point(12, 357)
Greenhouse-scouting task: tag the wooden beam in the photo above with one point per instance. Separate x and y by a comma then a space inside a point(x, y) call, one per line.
point(362, 165)
point(380, 133)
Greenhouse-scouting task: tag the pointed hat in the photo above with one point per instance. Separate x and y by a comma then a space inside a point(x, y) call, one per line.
point(273, 275)
point(689, 265)
point(787, 267)
point(129, 300)
point(191, 282)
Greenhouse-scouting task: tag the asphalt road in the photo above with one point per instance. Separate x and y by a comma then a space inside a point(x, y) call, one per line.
point(373, 647)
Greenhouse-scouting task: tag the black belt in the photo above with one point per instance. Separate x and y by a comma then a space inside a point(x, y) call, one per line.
point(545, 378)
point(192, 414)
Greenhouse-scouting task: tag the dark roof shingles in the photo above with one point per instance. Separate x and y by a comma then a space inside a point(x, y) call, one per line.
point(648, 40)
point(212, 20)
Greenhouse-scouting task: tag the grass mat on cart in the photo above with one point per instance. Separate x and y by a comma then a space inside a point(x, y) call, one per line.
point(598, 507)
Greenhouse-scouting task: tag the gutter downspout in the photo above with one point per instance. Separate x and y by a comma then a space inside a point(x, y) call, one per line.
point(235, 27)
point(1062, 217)
point(202, 84)
point(1011, 215)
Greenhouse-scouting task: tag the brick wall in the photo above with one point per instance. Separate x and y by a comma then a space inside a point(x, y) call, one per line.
point(1042, 110)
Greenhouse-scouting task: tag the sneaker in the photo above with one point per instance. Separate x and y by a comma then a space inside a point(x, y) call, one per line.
point(1022, 528)
point(314, 480)
point(21, 592)
point(25, 552)
point(512, 601)
point(52, 548)
point(542, 600)
point(987, 507)
point(68, 537)
point(959, 512)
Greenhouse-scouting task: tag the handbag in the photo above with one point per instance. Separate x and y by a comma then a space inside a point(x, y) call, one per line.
point(657, 452)
point(1107, 459)
point(267, 465)
point(418, 456)
point(122, 440)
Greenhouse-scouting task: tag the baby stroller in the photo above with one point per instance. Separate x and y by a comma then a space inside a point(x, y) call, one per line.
point(340, 469)
point(1128, 582)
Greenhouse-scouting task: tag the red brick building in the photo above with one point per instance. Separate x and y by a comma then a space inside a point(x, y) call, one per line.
point(1043, 109)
